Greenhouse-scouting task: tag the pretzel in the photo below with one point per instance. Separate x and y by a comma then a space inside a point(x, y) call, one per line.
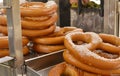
point(31, 33)
point(47, 48)
point(84, 52)
point(110, 43)
point(73, 61)
point(4, 41)
point(49, 40)
point(6, 52)
point(35, 9)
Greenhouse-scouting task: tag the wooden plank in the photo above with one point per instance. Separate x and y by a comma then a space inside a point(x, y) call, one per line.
point(106, 14)
point(110, 17)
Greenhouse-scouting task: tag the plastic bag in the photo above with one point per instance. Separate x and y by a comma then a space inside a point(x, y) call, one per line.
point(90, 19)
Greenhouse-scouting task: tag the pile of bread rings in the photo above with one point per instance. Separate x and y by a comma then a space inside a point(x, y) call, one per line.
point(85, 54)
point(53, 42)
point(89, 54)
point(4, 48)
point(37, 19)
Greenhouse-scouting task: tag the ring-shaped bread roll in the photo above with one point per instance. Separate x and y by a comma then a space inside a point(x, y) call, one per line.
point(36, 9)
point(49, 40)
point(5, 52)
point(38, 33)
point(31, 33)
point(41, 18)
point(4, 41)
point(3, 29)
point(64, 30)
point(28, 24)
point(3, 20)
point(47, 48)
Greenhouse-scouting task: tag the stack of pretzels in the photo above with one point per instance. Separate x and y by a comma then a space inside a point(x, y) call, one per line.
point(37, 19)
point(4, 48)
point(52, 42)
point(89, 54)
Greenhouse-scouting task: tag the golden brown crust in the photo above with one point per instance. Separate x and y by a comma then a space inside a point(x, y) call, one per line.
point(3, 20)
point(4, 41)
point(3, 29)
point(47, 48)
point(73, 61)
point(33, 24)
point(66, 69)
point(64, 30)
point(84, 53)
point(35, 9)
point(57, 70)
point(109, 38)
point(71, 71)
point(5, 52)
point(27, 24)
point(31, 33)
point(49, 40)
point(41, 18)
point(63, 69)
point(110, 43)
point(38, 33)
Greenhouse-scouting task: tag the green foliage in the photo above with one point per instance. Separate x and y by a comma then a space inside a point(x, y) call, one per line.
point(91, 4)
